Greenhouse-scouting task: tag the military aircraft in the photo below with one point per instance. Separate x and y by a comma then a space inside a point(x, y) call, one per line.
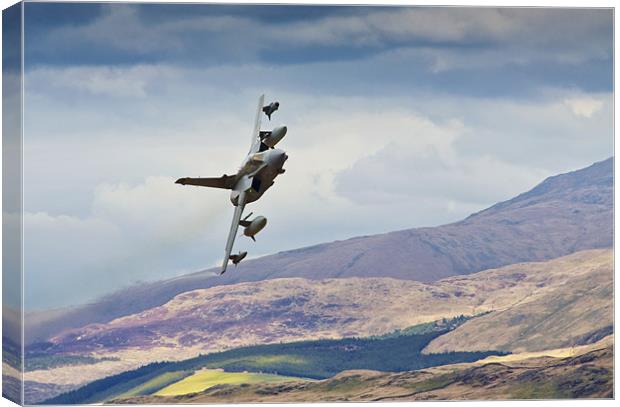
point(258, 171)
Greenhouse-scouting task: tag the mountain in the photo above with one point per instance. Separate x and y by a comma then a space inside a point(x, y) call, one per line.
point(564, 214)
point(556, 293)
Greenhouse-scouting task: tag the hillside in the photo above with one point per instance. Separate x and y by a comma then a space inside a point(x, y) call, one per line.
point(284, 310)
point(398, 351)
point(588, 374)
point(564, 214)
point(569, 297)
point(559, 314)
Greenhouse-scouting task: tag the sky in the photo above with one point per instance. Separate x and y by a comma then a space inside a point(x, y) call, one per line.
point(397, 118)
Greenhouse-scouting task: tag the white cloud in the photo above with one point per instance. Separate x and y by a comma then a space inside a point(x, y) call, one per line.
point(133, 232)
point(158, 209)
point(103, 80)
point(584, 106)
point(397, 175)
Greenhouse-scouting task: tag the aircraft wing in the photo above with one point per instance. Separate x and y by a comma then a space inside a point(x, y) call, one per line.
point(255, 146)
point(233, 230)
point(225, 182)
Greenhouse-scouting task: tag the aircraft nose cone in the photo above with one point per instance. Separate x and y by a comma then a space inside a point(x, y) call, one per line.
point(277, 158)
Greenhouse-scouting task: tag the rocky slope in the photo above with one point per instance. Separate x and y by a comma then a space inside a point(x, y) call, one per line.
point(562, 215)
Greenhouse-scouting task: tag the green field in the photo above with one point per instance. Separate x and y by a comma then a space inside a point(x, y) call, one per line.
point(155, 384)
point(203, 379)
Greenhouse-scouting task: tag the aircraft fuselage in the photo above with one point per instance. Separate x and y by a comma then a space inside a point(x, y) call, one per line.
point(257, 174)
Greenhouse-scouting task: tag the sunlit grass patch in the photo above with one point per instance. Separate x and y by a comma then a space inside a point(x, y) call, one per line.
point(155, 384)
point(203, 379)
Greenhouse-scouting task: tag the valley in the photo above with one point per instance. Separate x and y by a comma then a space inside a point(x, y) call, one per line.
point(319, 359)
point(588, 373)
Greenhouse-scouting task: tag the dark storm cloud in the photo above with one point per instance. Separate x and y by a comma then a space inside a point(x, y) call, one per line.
point(45, 21)
point(462, 50)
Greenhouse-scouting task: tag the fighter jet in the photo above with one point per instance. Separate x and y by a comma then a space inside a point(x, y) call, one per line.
point(257, 174)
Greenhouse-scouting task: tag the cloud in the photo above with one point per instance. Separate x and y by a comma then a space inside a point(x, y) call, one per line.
point(133, 232)
point(524, 34)
point(157, 209)
point(469, 51)
point(104, 80)
point(120, 27)
point(584, 106)
point(396, 174)
point(375, 26)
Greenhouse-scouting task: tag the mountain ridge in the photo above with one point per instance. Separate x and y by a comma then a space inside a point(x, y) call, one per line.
point(599, 173)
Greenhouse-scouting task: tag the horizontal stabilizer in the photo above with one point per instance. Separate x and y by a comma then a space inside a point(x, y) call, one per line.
point(225, 182)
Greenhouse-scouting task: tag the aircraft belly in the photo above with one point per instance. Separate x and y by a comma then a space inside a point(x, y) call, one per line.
point(252, 195)
point(265, 180)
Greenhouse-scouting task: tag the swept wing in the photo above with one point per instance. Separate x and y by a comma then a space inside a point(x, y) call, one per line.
point(254, 148)
point(233, 230)
point(255, 144)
